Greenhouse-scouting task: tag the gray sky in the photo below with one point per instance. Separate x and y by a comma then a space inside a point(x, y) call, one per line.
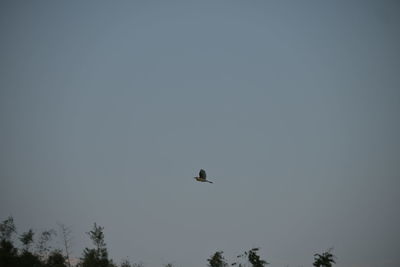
point(108, 109)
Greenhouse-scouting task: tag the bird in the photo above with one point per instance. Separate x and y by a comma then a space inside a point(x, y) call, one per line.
point(202, 177)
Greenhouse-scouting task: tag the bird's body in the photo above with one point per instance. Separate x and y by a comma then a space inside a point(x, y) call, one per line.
point(202, 177)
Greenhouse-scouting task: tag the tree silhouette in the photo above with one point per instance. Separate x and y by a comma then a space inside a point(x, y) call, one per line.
point(126, 263)
point(66, 236)
point(44, 256)
point(324, 260)
point(56, 259)
point(217, 260)
point(27, 239)
point(8, 253)
point(42, 247)
point(7, 228)
point(97, 257)
point(27, 259)
point(252, 257)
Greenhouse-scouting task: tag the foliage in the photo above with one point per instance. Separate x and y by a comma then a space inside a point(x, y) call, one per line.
point(8, 254)
point(97, 237)
point(56, 259)
point(27, 259)
point(7, 228)
point(44, 256)
point(43, 248)
point(324, 260)
point(252, 257)
point(126, 263)
point(27, 239)
point(66, 238)
point(217, 260)
point(97, 257)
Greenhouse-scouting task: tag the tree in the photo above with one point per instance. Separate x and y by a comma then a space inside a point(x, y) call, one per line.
point(111, 263)
point(97, 257)
point(56, 259)
point(255, 259)
point(66, 236)
point(7, 228)
point(27, 239)
point(8, 253)
point(126, 263)
point(27, 259)
point(217, 260)
point(324, 260)
point(252, 257)
point(43, 248)
point(97, 237)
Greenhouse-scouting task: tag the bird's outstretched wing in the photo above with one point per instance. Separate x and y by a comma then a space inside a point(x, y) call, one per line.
point(202, 174)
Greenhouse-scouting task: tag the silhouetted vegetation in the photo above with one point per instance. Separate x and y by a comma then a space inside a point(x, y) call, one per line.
point(7, 229)
point(43, 255)
point(324, 260)
point(27, 239)
point(251, 257)
point(217, 260)
point(43, 248)
point(56, 259)
point(66, 239)
point(98, 256)
point(126, 263)
point(8, 254)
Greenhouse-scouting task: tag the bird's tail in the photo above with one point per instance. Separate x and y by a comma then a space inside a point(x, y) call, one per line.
point(210, 182)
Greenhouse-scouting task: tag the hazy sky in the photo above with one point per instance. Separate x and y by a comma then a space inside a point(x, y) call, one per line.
point(108, 109)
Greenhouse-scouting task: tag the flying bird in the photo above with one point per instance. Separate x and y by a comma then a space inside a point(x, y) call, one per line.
point(202, 177)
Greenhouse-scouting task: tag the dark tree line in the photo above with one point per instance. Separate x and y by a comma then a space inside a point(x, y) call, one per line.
point(325, 259)
point(25, 256)
point(248, 257)
point(37, 252)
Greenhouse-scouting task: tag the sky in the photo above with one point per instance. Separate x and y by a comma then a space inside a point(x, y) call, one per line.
point(108, 109)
